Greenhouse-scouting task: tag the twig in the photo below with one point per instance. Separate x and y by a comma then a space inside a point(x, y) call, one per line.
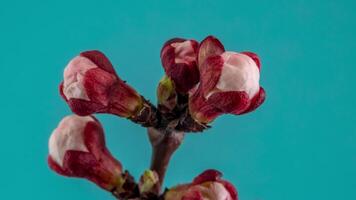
point(164, 144)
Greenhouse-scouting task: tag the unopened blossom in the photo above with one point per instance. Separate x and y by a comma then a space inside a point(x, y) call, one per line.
point(229, 82)
point(166, 95)
point(206, 186)
point(179, 59)
point(77, 149)
point(91, 85)
point(148, 182)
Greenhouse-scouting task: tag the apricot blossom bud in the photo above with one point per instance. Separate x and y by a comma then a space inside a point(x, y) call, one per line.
point(77, 149)
point(178, 58)
point(91, 85)
point(206, 186)
point(229, 83)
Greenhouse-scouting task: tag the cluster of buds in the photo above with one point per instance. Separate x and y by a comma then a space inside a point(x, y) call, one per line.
point(217, 81)
point(202, 82)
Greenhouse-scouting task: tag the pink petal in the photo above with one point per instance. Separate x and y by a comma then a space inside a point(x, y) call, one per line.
point(254, 58)
point(210, 46)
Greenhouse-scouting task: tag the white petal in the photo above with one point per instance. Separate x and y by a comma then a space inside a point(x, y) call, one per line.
point(184, 52)
point(239, 73)
point(73, 77)
point(68, 136)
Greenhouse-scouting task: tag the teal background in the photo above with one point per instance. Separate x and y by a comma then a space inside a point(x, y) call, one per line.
point(299, 145)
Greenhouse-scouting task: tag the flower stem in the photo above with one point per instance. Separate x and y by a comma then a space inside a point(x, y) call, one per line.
point(147, 116)
point(164, 144)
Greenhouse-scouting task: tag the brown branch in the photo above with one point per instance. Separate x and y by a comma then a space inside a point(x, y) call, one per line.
point(166, 131)
point(164, 143)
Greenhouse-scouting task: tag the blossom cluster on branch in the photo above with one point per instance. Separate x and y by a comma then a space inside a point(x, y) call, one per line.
point(202, 82)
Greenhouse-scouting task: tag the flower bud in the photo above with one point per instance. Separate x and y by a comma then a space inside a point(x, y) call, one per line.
point(229, 82)
point(178, 58)
point(148, 182)
point(77, 149)
point(91, 85)
point(166, 95)
point(207, 186)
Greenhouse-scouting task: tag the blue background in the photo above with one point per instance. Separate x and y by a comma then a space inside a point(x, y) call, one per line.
point(299, 145)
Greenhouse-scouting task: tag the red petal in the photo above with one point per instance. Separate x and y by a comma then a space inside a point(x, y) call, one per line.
point(210, 73)
point(254, 58)
point(98, 84)
point(234, 102)
point(95, 142)
point(208, 175)
point(55, 167)
point(256, 101)
point(210, 46)
point(61, 91)
point(184, 76)
point(94, 137)
point(124, 100)
point(83, 107)
point(100, 60)
point(79, 163)
point(200, 109)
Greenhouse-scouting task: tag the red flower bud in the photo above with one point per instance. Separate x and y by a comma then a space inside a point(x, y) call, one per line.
point(91, 85)
point(229, 83)
point(77, 149)
point(206, 186)
point(178, 58)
